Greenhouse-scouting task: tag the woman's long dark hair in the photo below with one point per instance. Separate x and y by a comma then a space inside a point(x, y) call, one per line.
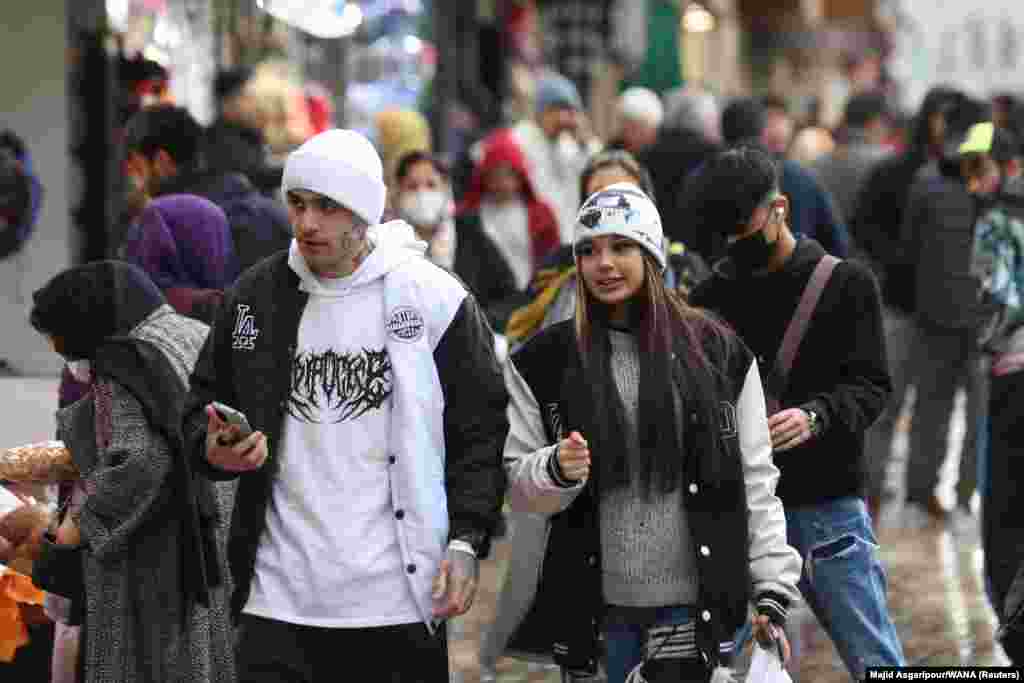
point(673, 340)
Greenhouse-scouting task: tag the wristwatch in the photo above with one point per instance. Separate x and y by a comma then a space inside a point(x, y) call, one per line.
point(813, 421)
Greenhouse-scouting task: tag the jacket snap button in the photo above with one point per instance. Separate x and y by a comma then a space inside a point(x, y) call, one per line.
point(693, 488)
point(592, 560)
point(399, 514)
point(391, 459)
point(705, 551)
point(705, 615)
point(411, 569)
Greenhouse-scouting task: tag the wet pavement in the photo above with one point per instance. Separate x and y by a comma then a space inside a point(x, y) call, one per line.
point(936, 598)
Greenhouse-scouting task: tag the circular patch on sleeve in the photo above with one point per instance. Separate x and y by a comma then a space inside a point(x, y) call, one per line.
point(405, 324)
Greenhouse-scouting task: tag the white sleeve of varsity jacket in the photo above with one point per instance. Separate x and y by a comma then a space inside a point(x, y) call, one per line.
point(774, 565)
point(527, 454)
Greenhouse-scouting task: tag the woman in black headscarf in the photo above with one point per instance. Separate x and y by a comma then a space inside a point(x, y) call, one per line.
point(154, 609)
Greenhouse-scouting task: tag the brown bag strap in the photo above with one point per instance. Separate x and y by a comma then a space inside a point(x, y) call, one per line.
point(802, 317)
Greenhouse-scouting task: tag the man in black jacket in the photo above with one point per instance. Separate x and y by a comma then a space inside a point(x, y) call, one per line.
point(837, 387)
point(235, 143)
point(939, 235)
point(687, 137)
point(164, 154)
point(876, 231)
point(375, 480)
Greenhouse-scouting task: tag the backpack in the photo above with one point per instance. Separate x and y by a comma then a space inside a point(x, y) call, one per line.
point(998, 264)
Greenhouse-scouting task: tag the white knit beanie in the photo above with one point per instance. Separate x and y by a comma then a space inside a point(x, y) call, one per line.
point(622, 209)
point(342, 165)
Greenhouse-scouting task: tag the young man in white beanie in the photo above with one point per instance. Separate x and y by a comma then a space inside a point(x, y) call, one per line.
point(373, 481)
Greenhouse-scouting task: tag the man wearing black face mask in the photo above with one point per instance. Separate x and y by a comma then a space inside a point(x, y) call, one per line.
point(825, 389)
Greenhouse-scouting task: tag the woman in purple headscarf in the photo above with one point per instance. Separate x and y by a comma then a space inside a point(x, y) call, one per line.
point(184, 244)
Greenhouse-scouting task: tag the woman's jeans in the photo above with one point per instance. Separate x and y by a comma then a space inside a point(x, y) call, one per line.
point(843, 582)
point(626, 634)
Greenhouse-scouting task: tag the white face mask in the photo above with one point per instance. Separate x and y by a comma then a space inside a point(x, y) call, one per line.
point(81, 370)
point(424, 208)
point(567, 149)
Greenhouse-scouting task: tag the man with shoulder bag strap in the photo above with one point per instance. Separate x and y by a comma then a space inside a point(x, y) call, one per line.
point(819, 321)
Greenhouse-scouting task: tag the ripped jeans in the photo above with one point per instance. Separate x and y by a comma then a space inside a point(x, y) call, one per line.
point(844, 583)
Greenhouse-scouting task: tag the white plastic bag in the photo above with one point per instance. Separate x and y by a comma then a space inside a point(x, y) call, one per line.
point(8, 501)
point(766, 667)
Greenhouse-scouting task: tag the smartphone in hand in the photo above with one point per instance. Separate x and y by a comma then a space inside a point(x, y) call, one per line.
point(233, 417)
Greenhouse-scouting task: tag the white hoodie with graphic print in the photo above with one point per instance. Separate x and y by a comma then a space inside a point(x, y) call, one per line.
point(330, 555)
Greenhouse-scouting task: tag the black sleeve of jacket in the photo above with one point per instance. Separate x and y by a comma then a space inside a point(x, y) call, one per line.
point(865, 385)
point(475, 426)
point(915, 218)
point(208, 384)
point(874, 225)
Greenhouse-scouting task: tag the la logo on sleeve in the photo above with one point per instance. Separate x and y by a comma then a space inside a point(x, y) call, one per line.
point(244, 336)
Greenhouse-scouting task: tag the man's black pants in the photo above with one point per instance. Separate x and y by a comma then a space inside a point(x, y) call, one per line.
point(278, 652)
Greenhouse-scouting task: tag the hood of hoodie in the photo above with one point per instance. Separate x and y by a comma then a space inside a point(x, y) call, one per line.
point(394, 244)
point(500, 149)
point(803, 259)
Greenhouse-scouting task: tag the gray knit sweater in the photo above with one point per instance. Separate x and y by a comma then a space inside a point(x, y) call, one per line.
point(647, 551)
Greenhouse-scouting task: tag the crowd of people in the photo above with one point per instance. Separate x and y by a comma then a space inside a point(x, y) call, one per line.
point(679, 357)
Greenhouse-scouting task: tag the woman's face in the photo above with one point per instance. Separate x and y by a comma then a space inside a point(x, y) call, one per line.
point(503, 184)
point(422, 175)
point(608, 175)
point(612, 268)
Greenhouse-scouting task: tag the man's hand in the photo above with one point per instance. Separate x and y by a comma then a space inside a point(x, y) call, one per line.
point(574, 457)
point(768, 635)
point(225, 451)
point(455, 585)
point(789, 428)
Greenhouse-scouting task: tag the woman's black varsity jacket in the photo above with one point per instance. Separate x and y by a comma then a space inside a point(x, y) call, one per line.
point(737, 523)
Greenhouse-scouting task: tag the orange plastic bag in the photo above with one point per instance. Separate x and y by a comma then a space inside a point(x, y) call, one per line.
point(16, 590)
